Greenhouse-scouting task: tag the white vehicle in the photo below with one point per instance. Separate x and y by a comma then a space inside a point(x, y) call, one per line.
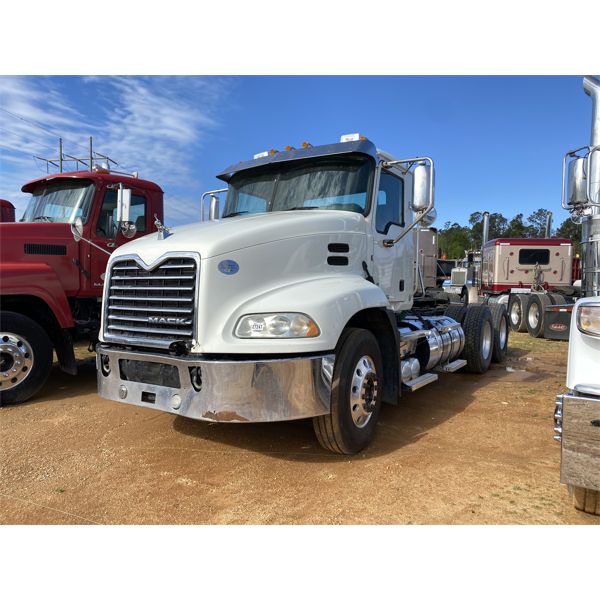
point(298, 302)
point(577, 413)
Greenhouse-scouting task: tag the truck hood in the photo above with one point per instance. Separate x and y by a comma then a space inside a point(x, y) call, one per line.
point(219, 237)
point(14, 236)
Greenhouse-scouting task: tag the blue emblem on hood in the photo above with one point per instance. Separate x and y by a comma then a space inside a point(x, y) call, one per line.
point(228, 267)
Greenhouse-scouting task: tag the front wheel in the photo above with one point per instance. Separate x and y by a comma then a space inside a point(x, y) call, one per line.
point(25, 357)
point(356, 391)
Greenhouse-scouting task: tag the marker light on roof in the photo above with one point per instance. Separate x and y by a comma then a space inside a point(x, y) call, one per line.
point(289, 148)
point(273, 151)
point(350, 137)
point(261, 155)
point(306, 145)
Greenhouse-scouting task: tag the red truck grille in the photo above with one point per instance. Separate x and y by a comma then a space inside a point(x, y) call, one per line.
point(152, 307)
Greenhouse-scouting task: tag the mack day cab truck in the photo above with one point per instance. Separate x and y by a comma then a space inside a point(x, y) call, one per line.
point(577, 412)
point(50, 286)
point(298, 302)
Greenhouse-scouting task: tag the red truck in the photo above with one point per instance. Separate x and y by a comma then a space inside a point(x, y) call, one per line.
point(50, 285)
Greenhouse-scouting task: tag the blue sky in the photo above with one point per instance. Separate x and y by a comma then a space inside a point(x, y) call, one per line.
point(498, 142)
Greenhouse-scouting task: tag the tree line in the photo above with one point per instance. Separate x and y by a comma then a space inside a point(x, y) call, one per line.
point(454, 239)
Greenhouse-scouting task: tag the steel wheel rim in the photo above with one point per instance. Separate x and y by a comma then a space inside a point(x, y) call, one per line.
point(515, 313)
point(503, 333)
point(534, 315)
point(16, 360)
point(486, 341)
point(364, 391)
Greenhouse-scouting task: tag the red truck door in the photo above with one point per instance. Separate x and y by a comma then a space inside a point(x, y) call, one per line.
point(103, 230)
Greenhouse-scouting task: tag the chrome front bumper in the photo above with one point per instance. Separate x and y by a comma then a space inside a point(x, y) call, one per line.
point(222, 390)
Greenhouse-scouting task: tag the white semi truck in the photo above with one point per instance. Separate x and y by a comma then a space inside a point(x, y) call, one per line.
point(298, 300)
point(577, 412)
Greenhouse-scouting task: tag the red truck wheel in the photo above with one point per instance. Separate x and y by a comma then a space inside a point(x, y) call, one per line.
point(25, 357)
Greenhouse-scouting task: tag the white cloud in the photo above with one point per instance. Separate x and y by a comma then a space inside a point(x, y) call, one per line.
point(153, 125)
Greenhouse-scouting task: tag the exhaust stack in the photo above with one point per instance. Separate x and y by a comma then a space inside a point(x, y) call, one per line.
point(590, 224)
point(486, 228)
point(548, 232)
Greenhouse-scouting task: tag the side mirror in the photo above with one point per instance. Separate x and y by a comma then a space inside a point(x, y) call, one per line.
point(77, 229)
point(128, 229)
point(422, 187)
point(577, 182)
point(123, 204)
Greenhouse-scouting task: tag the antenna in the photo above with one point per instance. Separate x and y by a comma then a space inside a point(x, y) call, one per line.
point(86, 161)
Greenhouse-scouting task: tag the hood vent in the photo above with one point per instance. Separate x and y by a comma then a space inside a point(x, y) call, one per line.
point(52, 249)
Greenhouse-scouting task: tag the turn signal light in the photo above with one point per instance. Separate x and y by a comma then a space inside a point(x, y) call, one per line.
point(588, 319)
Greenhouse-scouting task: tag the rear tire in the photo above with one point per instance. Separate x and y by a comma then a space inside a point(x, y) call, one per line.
point(534, 317)
point(356, 393)
point(586, 500)
point(501, 329)
point(516, 312)
point(25, 358)
point(456, 312)
point(557, 299)
point(479, 338)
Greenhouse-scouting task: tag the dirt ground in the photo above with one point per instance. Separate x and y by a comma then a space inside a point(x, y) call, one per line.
point(467, 449)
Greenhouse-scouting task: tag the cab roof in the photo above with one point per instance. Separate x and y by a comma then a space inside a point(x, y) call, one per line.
point(93, 176)
point(359, 147)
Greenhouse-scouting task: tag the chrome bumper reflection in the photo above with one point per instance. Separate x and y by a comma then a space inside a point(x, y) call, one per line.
point(236, 391)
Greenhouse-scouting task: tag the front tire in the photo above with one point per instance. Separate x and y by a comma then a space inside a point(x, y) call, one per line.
point(25, 358)
point(586, 500)
point(356, 392)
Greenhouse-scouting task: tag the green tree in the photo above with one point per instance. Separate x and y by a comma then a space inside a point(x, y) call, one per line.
point(517, 229)
point(453, 240)
point(498, 226)
point(537, 221)
point(571, 231)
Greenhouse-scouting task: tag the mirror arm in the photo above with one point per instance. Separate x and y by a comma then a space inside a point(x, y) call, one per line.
point(411, 162)
point(95, 245)
point(212, 193)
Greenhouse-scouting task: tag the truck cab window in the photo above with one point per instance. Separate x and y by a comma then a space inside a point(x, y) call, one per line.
point(531, 256)
point(390, 202)
point(106, 226)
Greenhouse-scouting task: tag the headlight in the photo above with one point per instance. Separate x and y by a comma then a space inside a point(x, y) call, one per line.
point(276, 325)
point(588, 319)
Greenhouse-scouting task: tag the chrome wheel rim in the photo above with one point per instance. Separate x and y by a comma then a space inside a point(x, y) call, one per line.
point(486, 341)
point(503, 333)
point(363, 392)
point(515, 313)
point(16, 360)
point(534, 315)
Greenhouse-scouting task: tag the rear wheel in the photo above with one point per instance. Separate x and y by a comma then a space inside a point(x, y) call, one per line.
point(355, 394)
point(557, 299)
point(536, 308)
point(516, 312)
point(501, 328)
point(456, 312)
point(586, 500)
point(25, 358)
point(479, 338)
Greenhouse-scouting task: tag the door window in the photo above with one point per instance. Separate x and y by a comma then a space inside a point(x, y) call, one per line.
point(390, 202)
point(107, 221)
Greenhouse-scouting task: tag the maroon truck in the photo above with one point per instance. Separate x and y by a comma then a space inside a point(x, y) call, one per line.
point(51, 285)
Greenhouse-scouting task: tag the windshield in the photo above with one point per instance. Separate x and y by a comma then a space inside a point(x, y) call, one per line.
point(333, 183)
point(60, 202)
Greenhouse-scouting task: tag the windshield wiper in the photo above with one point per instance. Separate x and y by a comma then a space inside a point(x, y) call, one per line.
point(43, 218)
point(235, 214)
point(303, 208)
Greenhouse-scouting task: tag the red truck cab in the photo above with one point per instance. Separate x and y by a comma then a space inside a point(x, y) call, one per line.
point(50, 285)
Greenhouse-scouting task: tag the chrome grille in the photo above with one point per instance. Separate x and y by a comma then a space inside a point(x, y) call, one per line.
point(154, 306)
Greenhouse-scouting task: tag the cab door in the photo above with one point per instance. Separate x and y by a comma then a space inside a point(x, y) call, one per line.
point(392, 264)
point(104, 232)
